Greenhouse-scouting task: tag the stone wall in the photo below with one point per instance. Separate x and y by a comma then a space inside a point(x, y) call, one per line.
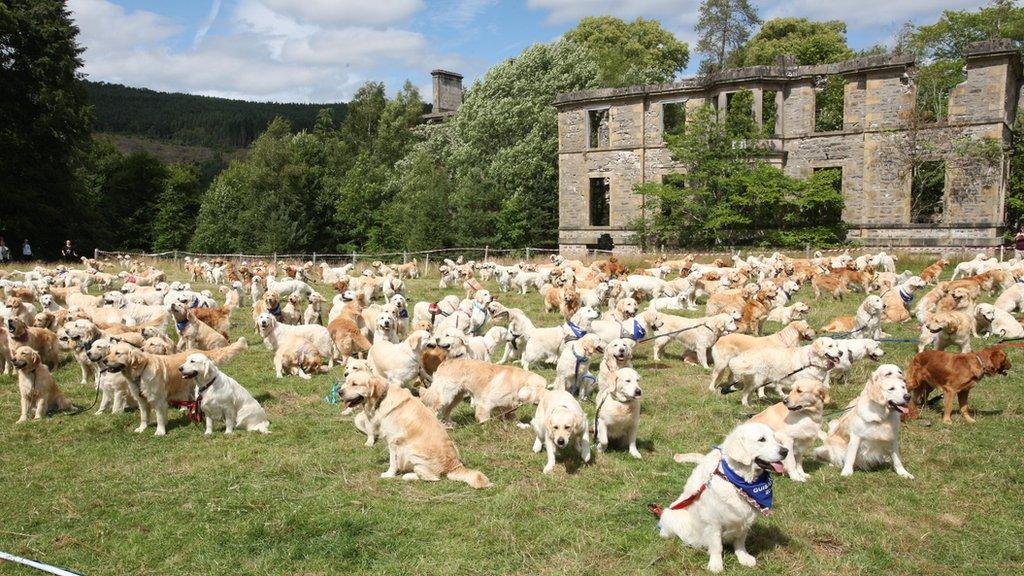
point(876, 149)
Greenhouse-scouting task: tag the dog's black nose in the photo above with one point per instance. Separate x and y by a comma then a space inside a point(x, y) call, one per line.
point(638, 393)
point(906, 397)
point(783, 452)
point(560, 442)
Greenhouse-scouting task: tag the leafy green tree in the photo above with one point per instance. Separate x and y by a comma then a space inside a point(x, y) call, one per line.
point(723, 27)
point(506, 156)
point(629, 53)
point(177, 208)
point(44, 124)
point(809, 41)
point(729, 196)
point(940, 47)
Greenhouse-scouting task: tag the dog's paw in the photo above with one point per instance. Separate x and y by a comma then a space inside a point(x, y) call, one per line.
point(388, 474)
point(746, 559)
point(635, 453)
point(20, 420)
point(549, 469)
point(715, 566)
point(160, 432)
point(846, 472)
point(905, 474)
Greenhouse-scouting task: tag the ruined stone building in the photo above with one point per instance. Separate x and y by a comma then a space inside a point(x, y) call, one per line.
point(447, 95)
point(610, 140)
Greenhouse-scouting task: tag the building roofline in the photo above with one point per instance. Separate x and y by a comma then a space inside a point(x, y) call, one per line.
point(440, 72)
point(779, 73)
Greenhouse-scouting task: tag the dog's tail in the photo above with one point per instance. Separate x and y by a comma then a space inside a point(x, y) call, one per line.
point(689, 458)
point(474, 478)
point(262, 427)
point(228, 352)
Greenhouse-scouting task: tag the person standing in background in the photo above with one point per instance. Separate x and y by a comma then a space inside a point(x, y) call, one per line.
point(5, 252)
point(26, 250)
point(68, 252)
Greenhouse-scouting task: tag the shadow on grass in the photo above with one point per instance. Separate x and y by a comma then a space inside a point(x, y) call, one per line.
point(765, 538)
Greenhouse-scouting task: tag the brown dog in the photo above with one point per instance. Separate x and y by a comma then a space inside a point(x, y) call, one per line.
point(37, 387)
point(954, 374)
point(39, 339)
point(933, 272)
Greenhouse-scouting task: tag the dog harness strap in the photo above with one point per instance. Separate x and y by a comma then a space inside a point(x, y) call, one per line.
point(576, 331)
point(907, 298)
point(689, 499)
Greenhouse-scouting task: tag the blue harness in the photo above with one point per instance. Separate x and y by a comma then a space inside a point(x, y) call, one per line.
point(758, 492)
point(276, 312)
point(907, 298)
point(580, 361)
point(403, 313)
point(577, 332)
point(180, 325)
point(638, 331)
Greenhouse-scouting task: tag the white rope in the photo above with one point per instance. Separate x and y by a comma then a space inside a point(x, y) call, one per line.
point(36, 565)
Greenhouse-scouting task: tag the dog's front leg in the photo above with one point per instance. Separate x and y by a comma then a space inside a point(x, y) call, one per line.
point(714, 548)
point(790, 463)
point(24, 409)
point(160, 407)
point(85, 373)
point(209, 425)
point(392, 462)
point(851, 455)
point(702, 357)
point(105, 400)
point(229, 421)
point(897, 462)
point(739, 544)
point(583, 444)
point(602, 435)
point(550, 445)
point(40, 407)
point(632, 441)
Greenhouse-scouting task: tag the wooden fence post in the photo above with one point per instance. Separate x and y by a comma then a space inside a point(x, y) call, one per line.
point(527, 253)
point(426, 264)
point(314, 259)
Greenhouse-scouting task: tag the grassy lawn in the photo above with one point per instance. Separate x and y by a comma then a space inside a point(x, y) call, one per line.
point(85, 493)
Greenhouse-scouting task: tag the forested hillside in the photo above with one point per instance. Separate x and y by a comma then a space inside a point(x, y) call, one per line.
point(193, 120)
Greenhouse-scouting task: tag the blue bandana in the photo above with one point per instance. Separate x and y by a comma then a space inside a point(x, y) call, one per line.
point(759, 491)
point(638, 331)
point(180, 325)
point(194, 304)
point(577, 332)
point(907, 298)
point(276, 311)
point(403, 313)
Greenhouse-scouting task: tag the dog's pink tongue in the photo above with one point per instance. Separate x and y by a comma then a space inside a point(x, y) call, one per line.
point(777, 467)
point(901, 409)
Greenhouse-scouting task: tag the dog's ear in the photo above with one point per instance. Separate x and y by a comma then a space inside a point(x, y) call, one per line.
point(531, 394)
point(875, 392)
point(823, 393)
point(737, 448)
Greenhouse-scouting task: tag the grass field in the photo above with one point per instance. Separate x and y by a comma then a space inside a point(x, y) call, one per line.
point(85, 493)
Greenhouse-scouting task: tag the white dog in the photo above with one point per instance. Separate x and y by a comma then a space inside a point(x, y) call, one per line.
point(868, 434)
point(618, 410)
point(222, 398)
point(725, 493)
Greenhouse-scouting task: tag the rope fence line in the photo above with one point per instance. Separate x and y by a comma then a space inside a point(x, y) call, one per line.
point(528, 252)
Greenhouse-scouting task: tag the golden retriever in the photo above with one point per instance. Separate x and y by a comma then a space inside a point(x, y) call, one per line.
point(868, 434)
point(618, 410)
point(36, 385)
point(221, 398)
point(712, 508)
point(418, 445)
point(39, 339)
point(796, 422)
point(558, 422)
point(491, 388)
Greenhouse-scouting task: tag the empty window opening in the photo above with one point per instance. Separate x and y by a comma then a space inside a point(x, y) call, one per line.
point(600, 201)
point(673, 118)
point(770, 112)
point(927, 192)
point(739, 115)
point(597, 120)
point(828, 104)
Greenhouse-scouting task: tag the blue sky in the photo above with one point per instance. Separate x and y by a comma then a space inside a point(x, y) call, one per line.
point(323, 50)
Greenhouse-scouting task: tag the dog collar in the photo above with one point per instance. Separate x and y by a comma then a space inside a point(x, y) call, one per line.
point(181, 324)
point(276, 311)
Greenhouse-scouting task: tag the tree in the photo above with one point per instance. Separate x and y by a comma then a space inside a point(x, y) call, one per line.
point(44, 123)
point(940, 48)
point(728, 195)
point(810, 42)
point(629, 53)
point(723, 27)
point(177, 208)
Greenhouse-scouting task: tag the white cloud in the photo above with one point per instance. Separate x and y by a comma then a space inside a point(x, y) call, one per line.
point(139, 28)
point(863, 15)
point(561, 11)
point(347, 12)
point(261, 54)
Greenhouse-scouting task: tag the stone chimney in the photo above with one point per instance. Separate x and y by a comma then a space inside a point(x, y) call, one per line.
point(447, 92)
